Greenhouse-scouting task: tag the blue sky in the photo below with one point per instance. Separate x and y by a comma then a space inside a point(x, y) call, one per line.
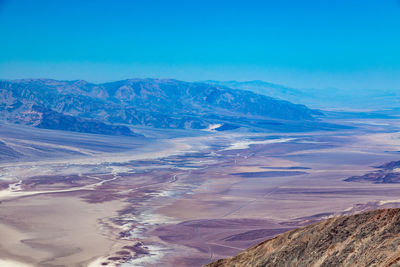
point(326, 43)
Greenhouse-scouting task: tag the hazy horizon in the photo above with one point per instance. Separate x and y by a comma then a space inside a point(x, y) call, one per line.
point(316, 44)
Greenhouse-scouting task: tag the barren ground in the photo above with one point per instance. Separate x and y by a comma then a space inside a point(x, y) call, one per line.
point(182, 201)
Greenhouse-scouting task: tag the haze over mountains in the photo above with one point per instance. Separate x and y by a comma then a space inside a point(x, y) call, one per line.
point(330, 98)
point(111, 108)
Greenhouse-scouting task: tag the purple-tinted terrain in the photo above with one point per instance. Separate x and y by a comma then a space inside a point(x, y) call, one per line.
point(93, 176)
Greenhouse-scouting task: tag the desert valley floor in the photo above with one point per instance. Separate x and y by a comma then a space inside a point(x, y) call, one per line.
point(178, 198)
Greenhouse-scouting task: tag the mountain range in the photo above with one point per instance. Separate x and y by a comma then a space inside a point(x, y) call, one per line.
point(116, 107)
point(328, 98)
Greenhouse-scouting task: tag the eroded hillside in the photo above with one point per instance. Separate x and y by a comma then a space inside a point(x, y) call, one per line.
point(367, 239)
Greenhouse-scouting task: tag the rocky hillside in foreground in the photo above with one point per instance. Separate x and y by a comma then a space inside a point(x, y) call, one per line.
point(368, 239)
point(89, 107)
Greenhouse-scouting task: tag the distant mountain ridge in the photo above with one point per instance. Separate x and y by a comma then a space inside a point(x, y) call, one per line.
point(329, 98)
point(161, 103)
point(265, 88)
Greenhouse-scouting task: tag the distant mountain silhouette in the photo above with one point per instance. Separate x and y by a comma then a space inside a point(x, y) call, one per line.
point(329, 98)
point(111, 108)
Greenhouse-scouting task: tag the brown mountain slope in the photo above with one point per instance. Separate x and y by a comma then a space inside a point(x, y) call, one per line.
point(367, 239)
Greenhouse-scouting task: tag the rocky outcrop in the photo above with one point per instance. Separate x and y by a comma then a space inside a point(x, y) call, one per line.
point(368, 239)
point(388, 173)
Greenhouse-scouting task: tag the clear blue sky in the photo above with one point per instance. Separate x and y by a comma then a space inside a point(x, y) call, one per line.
point(316, 43)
